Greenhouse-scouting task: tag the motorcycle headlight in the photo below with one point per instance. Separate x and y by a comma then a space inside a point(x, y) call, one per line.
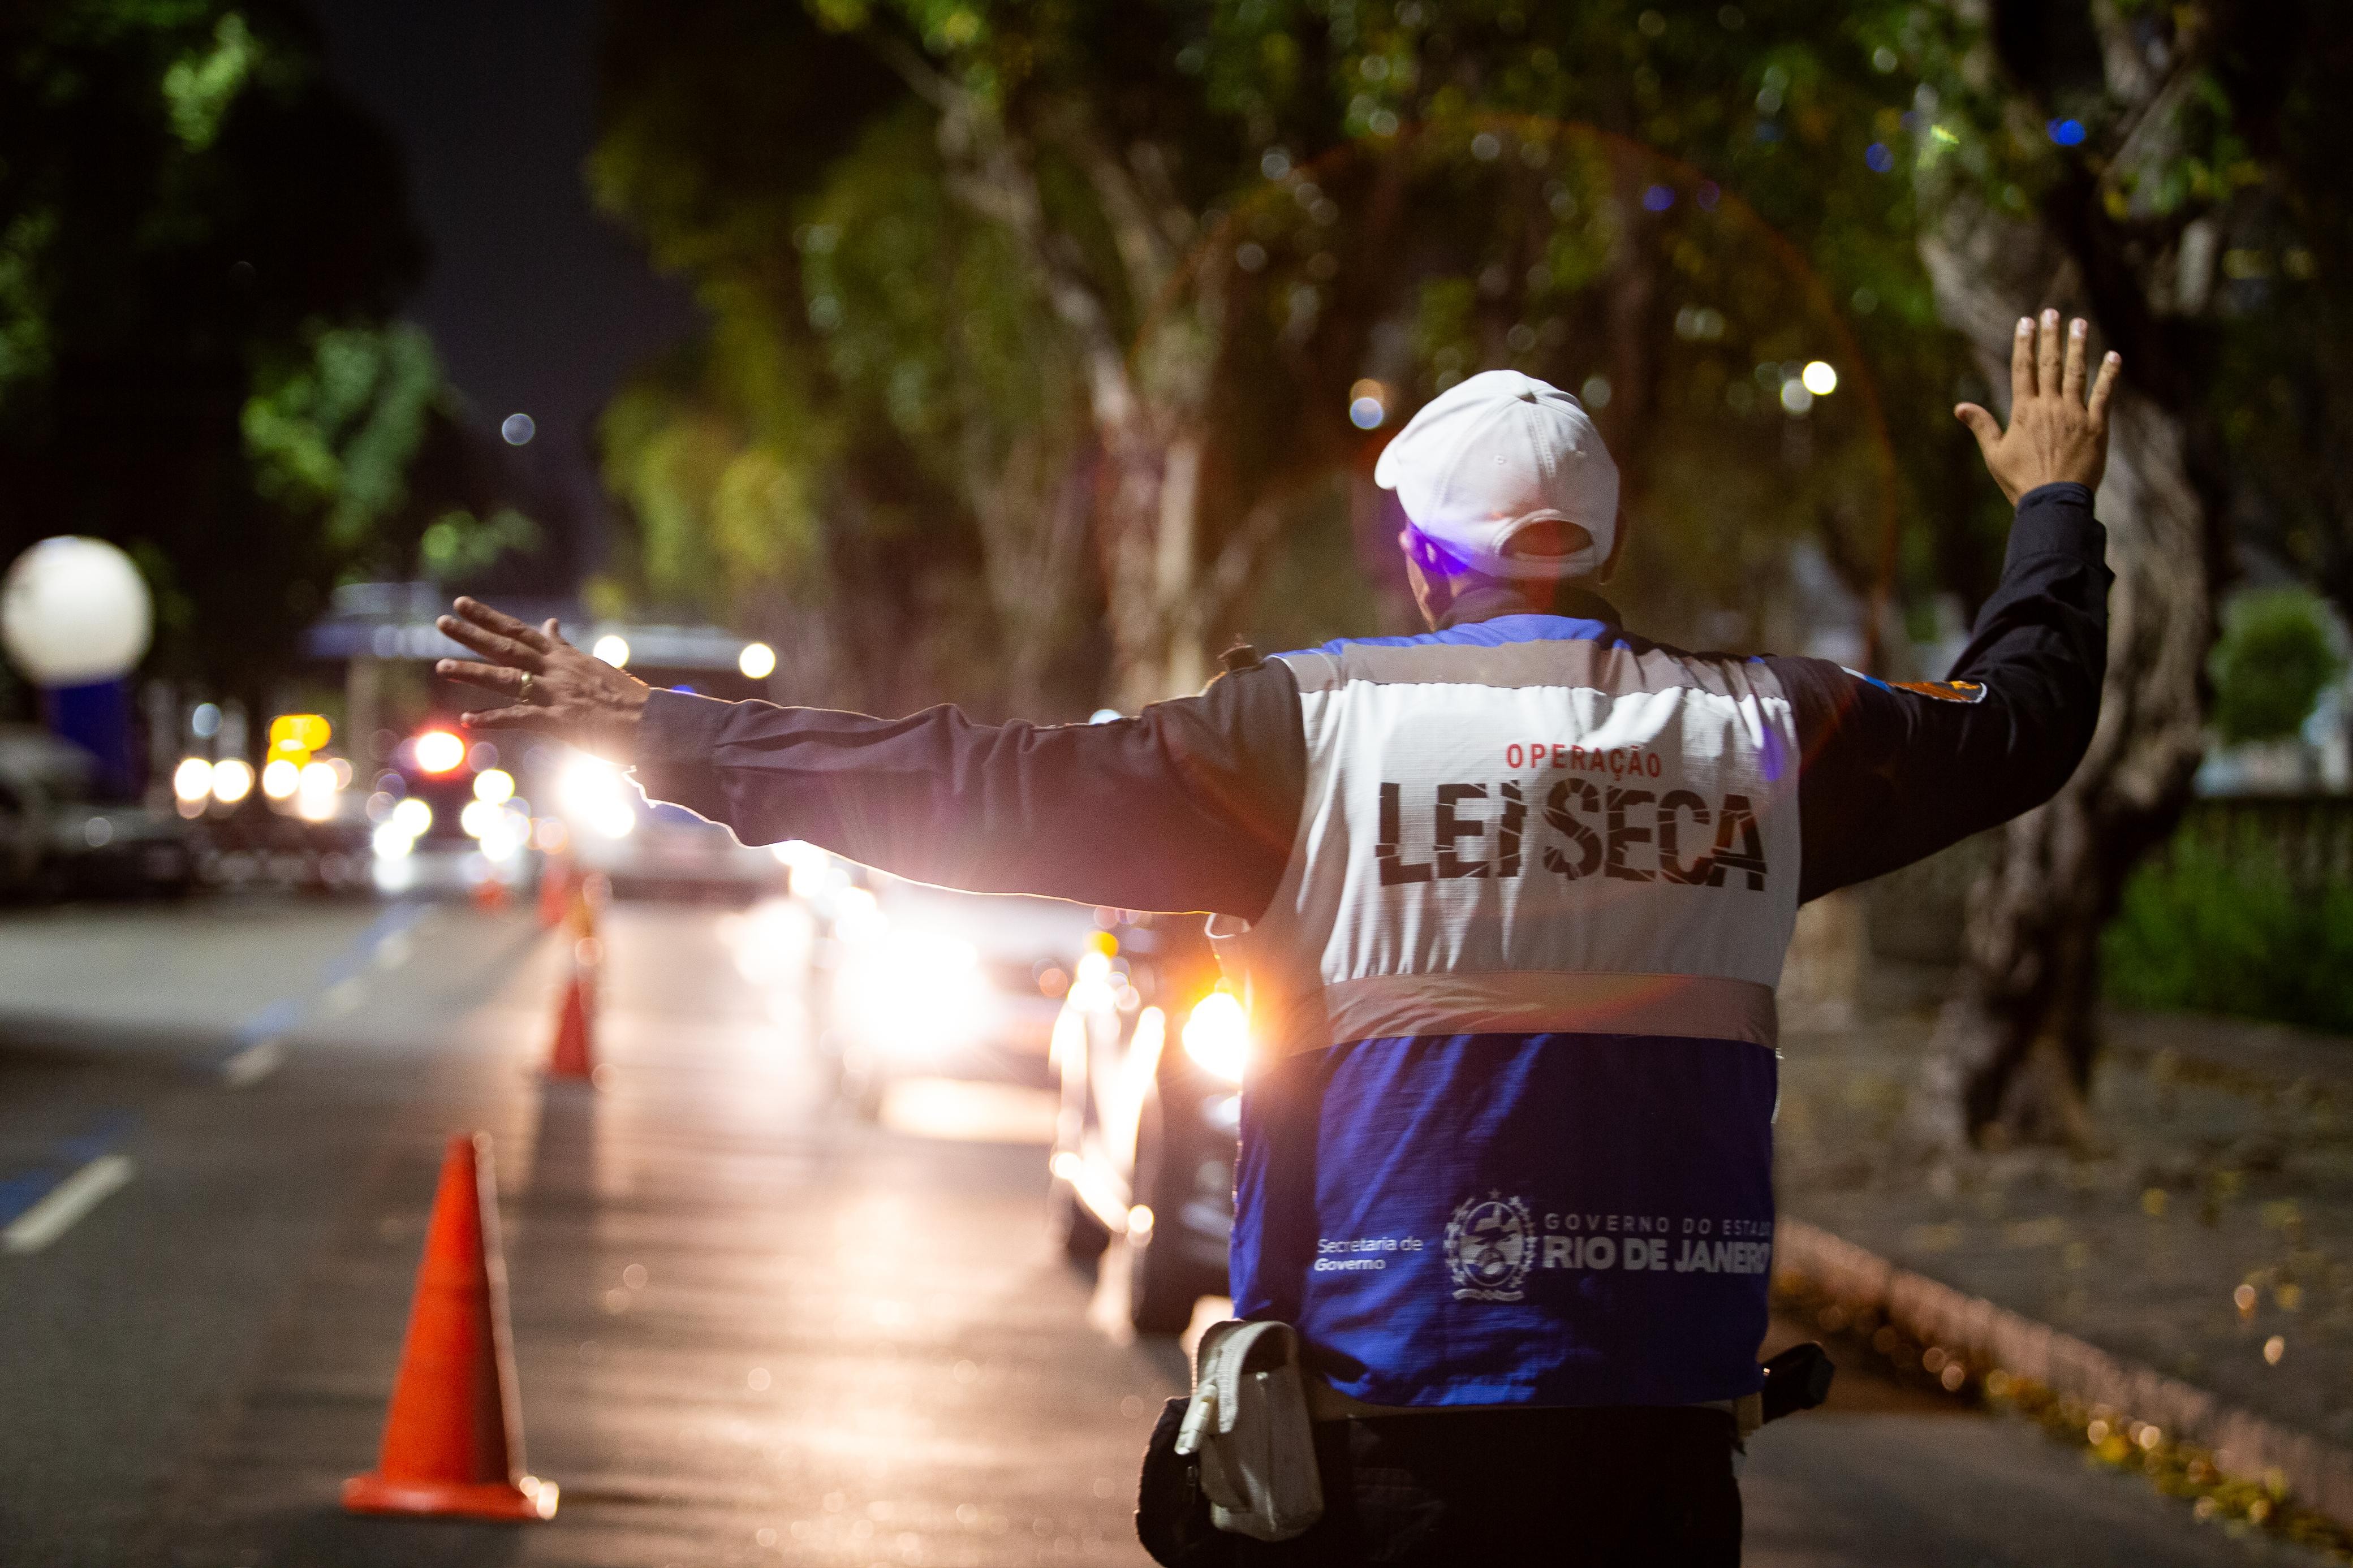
point(1217, 1037)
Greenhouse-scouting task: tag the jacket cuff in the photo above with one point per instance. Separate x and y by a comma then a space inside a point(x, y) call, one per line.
point(679, 736)
point(2056, 519)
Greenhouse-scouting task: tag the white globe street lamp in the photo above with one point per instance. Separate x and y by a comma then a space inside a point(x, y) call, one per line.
point(76, 619)
point(74, 612)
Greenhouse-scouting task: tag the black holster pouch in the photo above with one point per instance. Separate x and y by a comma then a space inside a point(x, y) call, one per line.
point(1798, 1379)
point(1171, 1511)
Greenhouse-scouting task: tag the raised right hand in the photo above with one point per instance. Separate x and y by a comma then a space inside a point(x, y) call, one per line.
point(2054, 432)
point(551, 686)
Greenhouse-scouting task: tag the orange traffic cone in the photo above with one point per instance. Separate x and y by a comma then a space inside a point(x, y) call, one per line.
point(587, 894)
point(554, 889)
point(574, 1052)
point(453, 1437)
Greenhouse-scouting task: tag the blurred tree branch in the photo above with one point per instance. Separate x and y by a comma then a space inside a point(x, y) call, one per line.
point(201, 244)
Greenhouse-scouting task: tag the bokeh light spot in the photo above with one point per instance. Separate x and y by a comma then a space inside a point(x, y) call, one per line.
point(439, 750)
point(232, 781)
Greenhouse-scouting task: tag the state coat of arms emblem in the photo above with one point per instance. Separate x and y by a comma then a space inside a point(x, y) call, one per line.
point(1490, 1245)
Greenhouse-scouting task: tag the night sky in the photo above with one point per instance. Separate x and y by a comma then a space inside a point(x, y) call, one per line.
point(537, 304)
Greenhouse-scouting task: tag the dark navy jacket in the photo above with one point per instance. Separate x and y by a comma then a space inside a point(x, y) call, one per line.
point(1510, 897)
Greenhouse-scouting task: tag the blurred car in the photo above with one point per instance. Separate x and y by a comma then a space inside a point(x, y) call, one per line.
point(445, 816)
point(665, 851)
point(647, 849)
point(293, 822)
point(926, 982)
point(63, 844)
point(250, 844)
point(23, 836)
point(1148, 1053)
point(119, 850)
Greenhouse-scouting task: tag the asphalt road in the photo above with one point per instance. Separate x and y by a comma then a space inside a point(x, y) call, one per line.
point(748, 1328)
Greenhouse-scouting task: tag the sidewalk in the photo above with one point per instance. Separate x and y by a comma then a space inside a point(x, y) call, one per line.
point(2209, 1239)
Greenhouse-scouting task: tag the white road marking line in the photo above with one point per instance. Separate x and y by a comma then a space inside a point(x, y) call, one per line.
point(67, 1202)
point(253, 1064)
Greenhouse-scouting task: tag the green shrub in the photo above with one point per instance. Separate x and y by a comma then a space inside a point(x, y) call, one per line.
point(2203, 931)
point(2274, 660)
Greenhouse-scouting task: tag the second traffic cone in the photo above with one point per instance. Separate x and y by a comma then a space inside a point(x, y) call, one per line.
point(572, 1053)
point(453, 1437)
point(585, 895)
point(554, 889)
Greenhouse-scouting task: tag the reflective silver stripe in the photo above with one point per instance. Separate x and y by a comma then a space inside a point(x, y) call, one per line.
point(1390, 1006)
point(1568, 663)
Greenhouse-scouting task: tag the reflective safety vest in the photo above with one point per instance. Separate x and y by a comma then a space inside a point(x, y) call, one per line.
point(1508, 1137)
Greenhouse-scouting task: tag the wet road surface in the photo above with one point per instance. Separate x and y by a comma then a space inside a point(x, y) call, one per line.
point(749, 1328)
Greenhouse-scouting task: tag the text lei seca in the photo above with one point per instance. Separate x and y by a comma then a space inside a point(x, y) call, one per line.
point(1596, 825)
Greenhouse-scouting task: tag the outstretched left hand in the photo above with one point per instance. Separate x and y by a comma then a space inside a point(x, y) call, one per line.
point(554, 688)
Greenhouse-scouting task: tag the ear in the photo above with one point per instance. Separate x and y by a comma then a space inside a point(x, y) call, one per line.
point(1617, 551)
point(1430, 596)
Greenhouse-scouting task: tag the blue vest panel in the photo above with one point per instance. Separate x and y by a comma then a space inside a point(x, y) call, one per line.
point(1506, 1134)
point(1492, 1219)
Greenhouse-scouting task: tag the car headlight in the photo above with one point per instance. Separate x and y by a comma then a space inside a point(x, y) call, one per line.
point(594, 795)
point(317, 791)
point(912, 993)
point(398, 834)
point(1217, 1037)
point(1090, 988)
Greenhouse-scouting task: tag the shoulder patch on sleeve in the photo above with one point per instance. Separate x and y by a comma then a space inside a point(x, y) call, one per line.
point(1943, 691)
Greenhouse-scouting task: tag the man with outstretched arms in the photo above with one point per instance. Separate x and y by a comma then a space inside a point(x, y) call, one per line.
point(1509, 900)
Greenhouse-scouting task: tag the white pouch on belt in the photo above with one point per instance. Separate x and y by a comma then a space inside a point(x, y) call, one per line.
point(1249, 1424)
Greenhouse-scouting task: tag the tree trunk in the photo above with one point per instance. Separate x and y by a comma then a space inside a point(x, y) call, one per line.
point(1032, 507)
point(2012, 1056)
point(1153, 577)
point(1147, 398)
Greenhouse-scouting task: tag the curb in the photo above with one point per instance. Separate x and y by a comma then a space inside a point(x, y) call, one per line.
point(1990, 1337)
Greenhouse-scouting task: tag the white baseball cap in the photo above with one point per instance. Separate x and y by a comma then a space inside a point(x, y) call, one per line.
point(1489, 456)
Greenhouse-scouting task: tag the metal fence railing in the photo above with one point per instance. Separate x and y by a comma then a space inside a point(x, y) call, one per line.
point(1916, 914)
point(2308, 837)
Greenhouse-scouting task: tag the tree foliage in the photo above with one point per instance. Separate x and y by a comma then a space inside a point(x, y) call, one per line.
point(795, 472)
point(1151, 250)
point(201, 244)
point(2271, 663)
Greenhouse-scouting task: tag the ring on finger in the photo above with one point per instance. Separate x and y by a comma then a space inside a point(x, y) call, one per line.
point(523, 691)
